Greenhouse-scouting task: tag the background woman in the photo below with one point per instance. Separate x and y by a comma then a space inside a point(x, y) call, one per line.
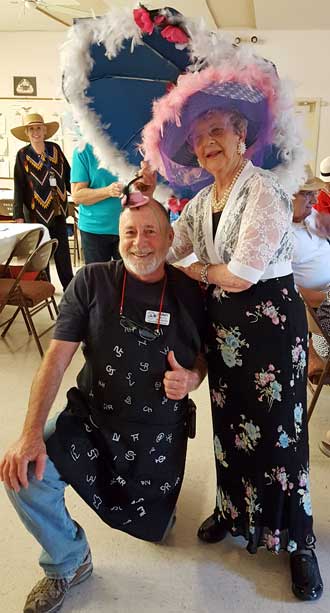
point(239, 226)
point(41, 181)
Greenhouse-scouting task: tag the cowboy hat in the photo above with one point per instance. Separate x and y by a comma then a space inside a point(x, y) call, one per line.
point(325, 170)
point(312, 184)
point(34, 119)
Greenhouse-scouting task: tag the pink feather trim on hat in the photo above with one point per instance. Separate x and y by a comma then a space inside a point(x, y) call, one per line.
point(168, 108)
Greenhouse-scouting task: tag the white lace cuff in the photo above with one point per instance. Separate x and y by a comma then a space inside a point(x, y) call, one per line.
point(244, 272)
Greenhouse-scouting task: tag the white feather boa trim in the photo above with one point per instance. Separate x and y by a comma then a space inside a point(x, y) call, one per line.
point(205, 48)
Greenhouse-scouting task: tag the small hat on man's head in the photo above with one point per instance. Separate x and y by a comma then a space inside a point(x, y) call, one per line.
point(312, 183)
point(325, 170)
point(34, 119)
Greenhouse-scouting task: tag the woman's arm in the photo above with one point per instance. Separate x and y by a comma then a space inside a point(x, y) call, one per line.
point(217, 274)
point(19, 188)
point(266, 217)
point(83, 194)
point(67, 172)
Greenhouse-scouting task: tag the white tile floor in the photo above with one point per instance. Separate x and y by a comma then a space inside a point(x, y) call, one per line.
point(133, 576)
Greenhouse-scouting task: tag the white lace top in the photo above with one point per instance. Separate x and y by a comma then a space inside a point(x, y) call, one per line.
point(254, 234)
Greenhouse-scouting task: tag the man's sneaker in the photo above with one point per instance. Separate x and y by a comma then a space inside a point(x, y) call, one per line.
point(48, 594)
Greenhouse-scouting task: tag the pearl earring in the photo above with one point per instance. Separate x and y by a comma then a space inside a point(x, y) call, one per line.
point(241, 147)
point(199, 163)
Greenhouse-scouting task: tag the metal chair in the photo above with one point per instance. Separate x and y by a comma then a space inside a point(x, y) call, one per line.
point(312, 300)
point(30, 297)
point(74, 239)
point(23, 248)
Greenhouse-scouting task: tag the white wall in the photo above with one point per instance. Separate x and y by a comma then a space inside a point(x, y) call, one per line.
point(31, 54)
point(301, 56)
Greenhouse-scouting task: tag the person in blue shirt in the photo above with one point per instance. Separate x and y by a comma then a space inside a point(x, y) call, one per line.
point(97, 192)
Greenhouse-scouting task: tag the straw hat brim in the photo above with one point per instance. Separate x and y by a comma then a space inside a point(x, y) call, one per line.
point(312, 186)
point(19, 132)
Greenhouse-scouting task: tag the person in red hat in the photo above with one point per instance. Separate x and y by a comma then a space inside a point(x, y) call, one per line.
point(323, 200)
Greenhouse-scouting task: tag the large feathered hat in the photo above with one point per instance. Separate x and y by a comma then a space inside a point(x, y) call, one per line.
point(232, 79)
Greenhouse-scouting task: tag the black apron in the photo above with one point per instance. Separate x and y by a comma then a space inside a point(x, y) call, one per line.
point(121, 443)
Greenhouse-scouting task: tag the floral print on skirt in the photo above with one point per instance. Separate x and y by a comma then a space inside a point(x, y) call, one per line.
point(257, 353)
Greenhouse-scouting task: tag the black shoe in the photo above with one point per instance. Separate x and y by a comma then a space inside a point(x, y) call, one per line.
point(211, 530)
point(306, 579)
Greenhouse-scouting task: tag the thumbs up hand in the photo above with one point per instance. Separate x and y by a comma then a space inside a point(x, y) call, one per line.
point(178, 381)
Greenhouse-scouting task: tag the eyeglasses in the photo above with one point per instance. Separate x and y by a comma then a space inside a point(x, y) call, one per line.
point(145, 333)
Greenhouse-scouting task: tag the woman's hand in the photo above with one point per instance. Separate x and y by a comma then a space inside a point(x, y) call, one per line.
point(217, 274)
point(115, 189)
point(193, 271)
point(148, 182)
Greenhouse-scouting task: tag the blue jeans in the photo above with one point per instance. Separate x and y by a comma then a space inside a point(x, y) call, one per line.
point(41, 507)
point(99, 247)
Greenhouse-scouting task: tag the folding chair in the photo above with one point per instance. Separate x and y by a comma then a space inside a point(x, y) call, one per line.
point(314, 326)
point(23, 248)
point(30, 297)
point(74, 239)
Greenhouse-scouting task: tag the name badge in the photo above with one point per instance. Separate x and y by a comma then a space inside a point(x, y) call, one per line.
point(52, 181)
point(152, 318)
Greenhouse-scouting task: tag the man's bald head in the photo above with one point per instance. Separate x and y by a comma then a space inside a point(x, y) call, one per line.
point(158, 209)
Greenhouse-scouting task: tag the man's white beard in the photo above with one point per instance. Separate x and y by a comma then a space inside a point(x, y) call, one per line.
point(142, 267)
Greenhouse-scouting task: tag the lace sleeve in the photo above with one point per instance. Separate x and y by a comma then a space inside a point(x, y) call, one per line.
point(183, 236)
point(266, 218)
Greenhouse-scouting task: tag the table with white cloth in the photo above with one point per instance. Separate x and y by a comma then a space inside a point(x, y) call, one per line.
point(10, 233)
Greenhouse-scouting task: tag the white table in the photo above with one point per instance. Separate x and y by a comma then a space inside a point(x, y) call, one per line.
point(11, 232)
point(7, 194)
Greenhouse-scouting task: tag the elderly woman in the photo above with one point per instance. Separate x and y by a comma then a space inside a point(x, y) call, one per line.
point(239, 227)
point(41, 182)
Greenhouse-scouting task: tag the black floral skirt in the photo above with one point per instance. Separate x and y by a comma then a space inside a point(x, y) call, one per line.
point(257, 354)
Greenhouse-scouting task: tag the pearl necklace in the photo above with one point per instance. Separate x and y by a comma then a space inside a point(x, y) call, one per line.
point(219, 205)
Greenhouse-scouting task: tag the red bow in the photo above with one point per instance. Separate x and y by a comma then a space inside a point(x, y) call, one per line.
point(147, 20)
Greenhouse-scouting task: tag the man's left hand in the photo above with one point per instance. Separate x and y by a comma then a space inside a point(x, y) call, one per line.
point(178, 381)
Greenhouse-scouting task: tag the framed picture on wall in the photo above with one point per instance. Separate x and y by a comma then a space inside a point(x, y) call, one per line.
point(25, 86)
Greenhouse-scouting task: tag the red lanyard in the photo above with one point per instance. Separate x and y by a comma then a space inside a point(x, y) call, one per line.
point(161, 304)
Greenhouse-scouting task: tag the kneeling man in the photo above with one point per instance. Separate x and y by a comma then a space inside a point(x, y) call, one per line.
point(121, 440)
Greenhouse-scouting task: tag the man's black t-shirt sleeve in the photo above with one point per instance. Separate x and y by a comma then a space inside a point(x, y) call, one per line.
point(72, 322)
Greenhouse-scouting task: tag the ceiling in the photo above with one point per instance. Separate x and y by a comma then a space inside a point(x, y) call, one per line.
point(20, 15)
